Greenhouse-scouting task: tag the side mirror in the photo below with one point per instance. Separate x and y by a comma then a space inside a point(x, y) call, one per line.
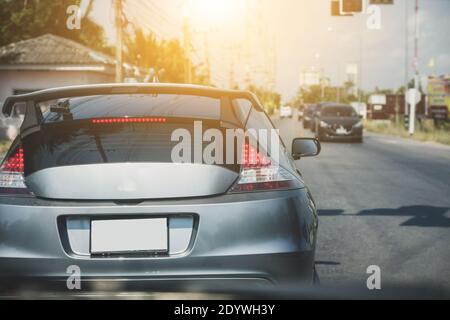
point(305, 147)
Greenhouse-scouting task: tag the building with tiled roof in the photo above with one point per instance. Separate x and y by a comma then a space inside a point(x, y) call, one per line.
point(50, 61)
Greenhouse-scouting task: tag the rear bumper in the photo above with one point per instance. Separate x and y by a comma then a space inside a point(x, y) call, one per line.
point(259, 238)
point(183, 275)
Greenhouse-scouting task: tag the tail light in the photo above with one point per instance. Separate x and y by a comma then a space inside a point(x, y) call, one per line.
point(259, 173)
point(12, 179)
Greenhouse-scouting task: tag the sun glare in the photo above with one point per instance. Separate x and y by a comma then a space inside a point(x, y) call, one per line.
point(215, 10)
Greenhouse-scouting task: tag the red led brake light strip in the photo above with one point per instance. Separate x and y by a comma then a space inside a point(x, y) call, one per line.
point(129, 120)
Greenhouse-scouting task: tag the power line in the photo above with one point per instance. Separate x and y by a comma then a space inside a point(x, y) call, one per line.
point(151, 20)
point(139, 19)
point(164, 20)
point(142, 19)
point(161, 12)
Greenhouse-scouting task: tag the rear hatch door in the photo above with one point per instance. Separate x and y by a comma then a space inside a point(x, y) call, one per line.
point(120, 147)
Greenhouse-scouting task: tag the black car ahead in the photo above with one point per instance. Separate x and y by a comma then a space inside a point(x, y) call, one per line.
point(339, 122)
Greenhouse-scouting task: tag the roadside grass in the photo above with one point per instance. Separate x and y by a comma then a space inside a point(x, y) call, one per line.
point(424, 132)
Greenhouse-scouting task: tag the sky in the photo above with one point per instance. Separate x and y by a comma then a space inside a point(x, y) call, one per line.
point(283, 37)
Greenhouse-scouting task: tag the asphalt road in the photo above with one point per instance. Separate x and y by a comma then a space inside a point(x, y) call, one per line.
point(385, 202)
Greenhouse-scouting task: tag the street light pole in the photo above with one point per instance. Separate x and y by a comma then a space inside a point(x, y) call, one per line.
point(187, 50)
point(119, 40)
point(406, 56)
point(207, 61)
point(361, 61)
point(338, 68)
point(412, 118)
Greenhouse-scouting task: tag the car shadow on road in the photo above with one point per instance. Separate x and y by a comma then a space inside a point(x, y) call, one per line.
point(342, 144)
point(421, 216)
point(327, 263)
point(330, 213)
point(353, 143)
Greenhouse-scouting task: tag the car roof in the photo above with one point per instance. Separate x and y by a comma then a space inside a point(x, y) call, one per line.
point(123, 88)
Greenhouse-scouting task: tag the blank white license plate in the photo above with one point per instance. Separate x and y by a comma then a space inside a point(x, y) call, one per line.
point(127, 236)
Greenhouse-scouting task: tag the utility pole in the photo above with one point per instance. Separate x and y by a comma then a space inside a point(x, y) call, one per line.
point(249, 55)
point(416, 46)
point(322, 84)
point(361, 63)
point(273, 66)
point(412, 118)
point(406, 56)
point(119, 40)
point(187, 50)
point(207, 60)
point(231, 76)
point(338, 93)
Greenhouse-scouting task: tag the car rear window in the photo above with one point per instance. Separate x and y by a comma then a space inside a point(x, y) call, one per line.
point(135, 105)
point(66, 141)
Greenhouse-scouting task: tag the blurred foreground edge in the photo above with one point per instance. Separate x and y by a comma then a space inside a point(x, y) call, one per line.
point(117, 290)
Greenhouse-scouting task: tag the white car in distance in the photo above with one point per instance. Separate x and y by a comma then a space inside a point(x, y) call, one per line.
point(286, 112)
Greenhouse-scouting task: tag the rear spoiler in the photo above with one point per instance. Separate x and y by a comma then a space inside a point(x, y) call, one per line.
point(33, 114)
point(104, 89)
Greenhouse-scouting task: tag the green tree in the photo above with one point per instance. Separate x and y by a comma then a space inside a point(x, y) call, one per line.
point(25, 19)
point(313, 94)
point(383, 91)
point(167, 57)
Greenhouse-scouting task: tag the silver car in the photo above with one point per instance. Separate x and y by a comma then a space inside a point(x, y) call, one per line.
point(91, 185)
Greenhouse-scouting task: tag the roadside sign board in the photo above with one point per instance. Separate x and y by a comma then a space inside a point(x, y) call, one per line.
point(413, 96)
point(439, 97)
point(377, 99)
point(437, 91)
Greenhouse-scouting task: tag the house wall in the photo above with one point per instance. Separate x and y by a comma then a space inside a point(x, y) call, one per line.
point(11, 80)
